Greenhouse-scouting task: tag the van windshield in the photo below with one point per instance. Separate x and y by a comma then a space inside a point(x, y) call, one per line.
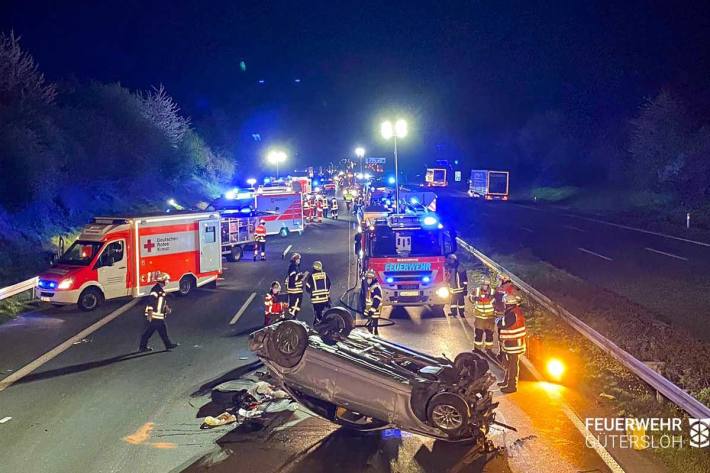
point(81, 253)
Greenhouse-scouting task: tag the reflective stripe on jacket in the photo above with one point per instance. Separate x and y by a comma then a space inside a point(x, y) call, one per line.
point(511, 331)
point(483, 303)
point(318, 286)
point(294, 281)
point(272, 304)
point(373, 300)
point(260, 233)
point(458, 282)
point(159, 304)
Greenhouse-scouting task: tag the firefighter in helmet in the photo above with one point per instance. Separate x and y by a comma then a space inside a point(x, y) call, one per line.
point(511, 333)
point(294, 286)
point(334, 208)
point(155, 312)
point(318, 286)
point(319, 208)
point(505, 286)
point(273, 304)
point(307, 209)
point(260, 240)
point(373, 302)
point(482, 299)
point(458, 286)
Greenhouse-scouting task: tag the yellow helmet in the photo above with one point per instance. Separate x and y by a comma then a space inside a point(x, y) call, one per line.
point(370, 274)
point(317, 266)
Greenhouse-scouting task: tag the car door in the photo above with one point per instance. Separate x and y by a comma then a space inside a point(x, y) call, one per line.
point(112, 269)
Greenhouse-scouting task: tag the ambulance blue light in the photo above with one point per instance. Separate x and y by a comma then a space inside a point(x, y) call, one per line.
point(429, 221)
point(414, 201)
point(391, 180)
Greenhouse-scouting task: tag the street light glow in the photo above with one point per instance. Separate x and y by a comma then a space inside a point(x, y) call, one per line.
point(400, 128)
point(251, 181)
point(276, 157)
point(387, 129)
point(360, 152)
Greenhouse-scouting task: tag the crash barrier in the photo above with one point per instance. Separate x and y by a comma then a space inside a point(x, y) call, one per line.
point(673, 393)
point(18, 288)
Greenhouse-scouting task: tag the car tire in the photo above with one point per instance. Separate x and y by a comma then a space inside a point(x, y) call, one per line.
point(470, 366)
point(287, 343)
point(236, 254)
point(185, 285)
point(90, 298)
point(450, 413)
point(283, 233)
point(337, 321)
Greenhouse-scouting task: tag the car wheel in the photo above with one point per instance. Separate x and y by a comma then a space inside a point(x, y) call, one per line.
point(235, 255)
point(185, 285)
point(336, 321)
point(470, 366)
point(450, 413)
point(283, 232)
point(288, 343)
point(90, 298)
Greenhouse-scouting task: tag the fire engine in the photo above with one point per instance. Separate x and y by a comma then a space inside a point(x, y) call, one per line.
point(408, 253)
point(121, 256)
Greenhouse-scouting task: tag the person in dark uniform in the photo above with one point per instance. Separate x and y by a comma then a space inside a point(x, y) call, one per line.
point(156, 312)
point(458, 286)
point(294, 286)
point(373, 302)
point(318, 286)
point(334, 208)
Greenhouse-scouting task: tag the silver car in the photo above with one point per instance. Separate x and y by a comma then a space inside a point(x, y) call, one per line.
point(365, 382)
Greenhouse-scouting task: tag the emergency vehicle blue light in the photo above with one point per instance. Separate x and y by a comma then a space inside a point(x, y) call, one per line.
point(426, 279)
point(389, 280)
point(316, 182)
point(391, 180)
point(245, 210)
point(230, 195)
point(414, 200)
point(243, 195)
point(267, 180)
point(429, 221)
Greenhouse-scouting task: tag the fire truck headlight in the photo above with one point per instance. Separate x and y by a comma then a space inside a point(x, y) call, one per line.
point(389, 280)
point(66, 283)
point(426, 279)
point(443, 292)
point(429, 220)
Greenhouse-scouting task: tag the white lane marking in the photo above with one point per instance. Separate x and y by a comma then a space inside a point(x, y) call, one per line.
point(242, 309)
point(288, 248)
point(589, 438)
point(595, 254)
point(59, 349)
point(529, 230)
point(576, 229)
point(666, 254)
point(5, 419)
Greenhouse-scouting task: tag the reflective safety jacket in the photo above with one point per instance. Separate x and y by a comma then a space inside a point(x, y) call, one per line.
point(334, 205)
point(511, 331)
point(260, 233)
point(294, 281)
point(158, 304)
point(506, 288)
point(272, 304)
point(483, 303)
point(318, 286)
point(458, 282)
point(373, 300)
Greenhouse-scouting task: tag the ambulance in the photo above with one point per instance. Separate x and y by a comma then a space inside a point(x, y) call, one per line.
point(408, 253)
point(122, 256)
point(282, 209)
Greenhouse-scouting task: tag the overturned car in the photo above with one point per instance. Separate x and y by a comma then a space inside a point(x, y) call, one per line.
point(364, 382)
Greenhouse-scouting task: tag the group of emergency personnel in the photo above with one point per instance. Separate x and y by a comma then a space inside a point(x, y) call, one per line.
point(316, 283)
point(493, 309)
point(316, 206)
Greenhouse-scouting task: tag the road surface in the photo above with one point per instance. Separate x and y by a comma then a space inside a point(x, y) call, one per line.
point(99, 406)
point(668, 275)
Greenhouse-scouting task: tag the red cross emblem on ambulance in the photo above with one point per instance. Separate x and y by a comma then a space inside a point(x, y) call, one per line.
point(149, 245)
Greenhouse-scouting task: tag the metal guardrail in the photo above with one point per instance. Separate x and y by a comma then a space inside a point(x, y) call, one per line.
point(18, 288)
point(672, 392)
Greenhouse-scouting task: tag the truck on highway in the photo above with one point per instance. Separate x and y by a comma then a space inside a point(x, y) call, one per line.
point(122, 256)
point(488, 185)
point(436, 177)
point(408, 253)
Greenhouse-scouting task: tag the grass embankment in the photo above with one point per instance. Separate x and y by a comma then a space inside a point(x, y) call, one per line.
point(605, 383)
point(654, 210)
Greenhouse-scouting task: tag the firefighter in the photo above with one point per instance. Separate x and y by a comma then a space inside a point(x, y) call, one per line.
point(294, 286)
point(318, 286)
point(505, 286)
point(260, 240)
point(156, 312)
point(357, 243)
point(273, 304)
point(484, 313)
point(307, 211)
point(511, 333)
point(458, 285)
point(373, 302)
point(319, 209)
point(334, 208)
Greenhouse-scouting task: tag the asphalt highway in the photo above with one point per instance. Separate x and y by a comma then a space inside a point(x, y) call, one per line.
point(666, 274)
point(99, 406)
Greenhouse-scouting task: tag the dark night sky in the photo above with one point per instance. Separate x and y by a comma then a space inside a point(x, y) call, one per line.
point(461, 71)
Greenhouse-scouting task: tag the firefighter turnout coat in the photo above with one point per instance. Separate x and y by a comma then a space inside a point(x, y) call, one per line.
point(373, 300)
point(294, 281)
point(260, 233)
point(483, 303)
point(158, 306)
point(318, 286)
point(511, 331)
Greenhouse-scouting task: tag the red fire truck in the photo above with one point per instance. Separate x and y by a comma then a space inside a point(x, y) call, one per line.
point(121, 256)
point(408, 253)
